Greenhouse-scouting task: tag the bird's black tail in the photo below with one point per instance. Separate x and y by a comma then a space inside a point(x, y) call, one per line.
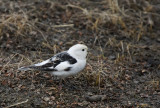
point(25, 68)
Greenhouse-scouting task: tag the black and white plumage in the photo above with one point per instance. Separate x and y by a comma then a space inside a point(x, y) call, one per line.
point(63, 64)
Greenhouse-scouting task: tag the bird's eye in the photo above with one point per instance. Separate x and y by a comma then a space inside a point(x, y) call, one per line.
point(82, 49)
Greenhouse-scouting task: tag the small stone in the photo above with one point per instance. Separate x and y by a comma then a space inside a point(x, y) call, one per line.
point(46, 99)
point(143, 71)
point(112, 57)
point(89, 93)
point(50, 102)
point(95, 98)
point(158, 40)
point(136, 82)
point(52, 98)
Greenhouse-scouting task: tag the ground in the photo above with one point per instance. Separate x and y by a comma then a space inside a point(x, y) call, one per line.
point(123, 64)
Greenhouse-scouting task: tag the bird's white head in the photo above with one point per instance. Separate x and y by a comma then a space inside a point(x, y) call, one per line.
point(78, 51)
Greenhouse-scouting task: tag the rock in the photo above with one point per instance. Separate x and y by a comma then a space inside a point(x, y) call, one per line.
point(51, 103)
point(52, 98)
point(46, 99)
point(112, 57)
point(136, 82)
point(158, 40)
point(95, 98)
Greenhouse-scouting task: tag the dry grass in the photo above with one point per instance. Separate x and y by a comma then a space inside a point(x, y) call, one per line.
point(127, 23)
point(17, 23)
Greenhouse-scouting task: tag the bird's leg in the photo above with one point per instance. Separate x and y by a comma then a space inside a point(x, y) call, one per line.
point(61, 83)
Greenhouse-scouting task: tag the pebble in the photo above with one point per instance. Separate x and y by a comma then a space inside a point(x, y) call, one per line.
point(136, 82)
point(46, 99)
point(95, 98)
point(158, 40)
point(52, 98)
point(112, 57)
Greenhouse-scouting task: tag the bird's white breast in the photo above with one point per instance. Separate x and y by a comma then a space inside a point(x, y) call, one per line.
point(77, 67)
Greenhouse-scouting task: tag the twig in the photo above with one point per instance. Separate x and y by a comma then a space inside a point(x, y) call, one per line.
point(17, 104)
point(78, 7)
point(65, 25)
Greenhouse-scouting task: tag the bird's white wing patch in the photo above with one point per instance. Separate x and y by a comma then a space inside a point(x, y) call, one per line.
point(63, 65)
point(42, 63)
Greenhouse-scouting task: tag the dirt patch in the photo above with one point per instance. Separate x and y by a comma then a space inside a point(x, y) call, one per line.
point(123, 67)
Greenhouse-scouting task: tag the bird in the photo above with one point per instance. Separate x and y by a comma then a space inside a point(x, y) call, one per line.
point(63, 64)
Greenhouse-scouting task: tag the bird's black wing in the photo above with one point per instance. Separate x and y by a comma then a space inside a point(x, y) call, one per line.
point(50, 64)
point(62, 57)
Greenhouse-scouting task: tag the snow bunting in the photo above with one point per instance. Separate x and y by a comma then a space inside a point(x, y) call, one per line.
point(63, 64)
